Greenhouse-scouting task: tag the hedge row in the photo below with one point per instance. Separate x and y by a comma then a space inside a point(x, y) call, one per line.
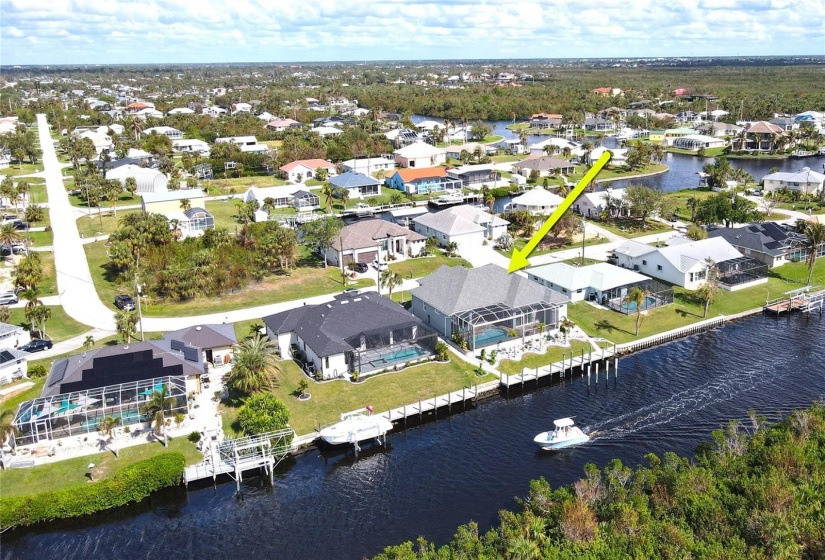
point(131, 484)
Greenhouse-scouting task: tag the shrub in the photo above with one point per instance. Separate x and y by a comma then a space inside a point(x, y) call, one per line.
point(37, 371)
point(194, 437)
point(263, 413)
point(131, 484)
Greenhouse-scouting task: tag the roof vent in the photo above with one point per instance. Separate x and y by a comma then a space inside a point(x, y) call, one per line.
point(198, 328)
point(125, 346)
point(357, 299)
point(329, 306)
point(344, 302)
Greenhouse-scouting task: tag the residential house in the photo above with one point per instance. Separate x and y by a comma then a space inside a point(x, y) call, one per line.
point(369, 240)
point(486, 306)
point(607, 92)
point(688, 117)
point(13, 336)
point(544, 165)
point(453, 151)
point(215, 341)
point(685, 262)
point(148, 180)
point(369, 165)
point(760, 136)
point(464, 225)
point(592, 204)
point(282, 196)
point(280, 125)
point(401, 137)
point(353, 333)
point(172, 133)
point(556, 146)
point(544, 120)
point(241, 108)
point(603, 283)
point(812, 118)
point(423, 180)
point(102, 141)
point(169, 202)
point(305, 201)
point(474, 176)
point(770, 243)
point(191, 146)
point(358, 184)
point(785, 123)
point(536, 201)
point(244, 143)
point(671, 134)
point(301, 170)
point(180, 111)
point(419, 154)
point(697, 142)
point(722, 129)
point(213, 111)
point(324, 131)
point(599, 124)
point(13, 365)
point(805, 180)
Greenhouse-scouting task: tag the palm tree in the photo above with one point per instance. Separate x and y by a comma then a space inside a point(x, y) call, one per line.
point(814, 240)
point(89, 342)
point(107, 426)
point(327, 190)
point(136, 125)
point(255, 330)
point(126, 321)
point(636, 295)
point(268, 205)
point(7, 429)
point(255, 368)
point(390, 279)
point(31, 296)
point(157, 406)
point(185, 204)
point(343, 194)
point(707, 291)
point(9, 236)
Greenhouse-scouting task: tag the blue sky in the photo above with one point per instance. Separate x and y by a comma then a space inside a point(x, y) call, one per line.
point(128, 31)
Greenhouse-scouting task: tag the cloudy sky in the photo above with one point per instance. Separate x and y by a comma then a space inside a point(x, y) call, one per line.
point(128, 31)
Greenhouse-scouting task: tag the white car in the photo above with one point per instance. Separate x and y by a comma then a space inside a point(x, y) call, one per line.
point(7, 298)
point(380, 265)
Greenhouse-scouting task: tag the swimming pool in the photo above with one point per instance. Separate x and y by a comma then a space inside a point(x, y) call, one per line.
point(490, 336)
point(650, 301)
point(402, 355)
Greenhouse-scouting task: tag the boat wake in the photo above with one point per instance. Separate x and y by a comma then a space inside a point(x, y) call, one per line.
point(684, 403)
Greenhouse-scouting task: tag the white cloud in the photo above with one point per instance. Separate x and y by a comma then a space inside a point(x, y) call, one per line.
point(111, 31)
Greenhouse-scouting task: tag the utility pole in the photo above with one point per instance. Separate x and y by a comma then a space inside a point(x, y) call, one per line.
point(140, 314)
point(584, 238)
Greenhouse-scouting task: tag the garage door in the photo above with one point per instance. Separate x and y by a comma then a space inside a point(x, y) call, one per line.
point(367, 256)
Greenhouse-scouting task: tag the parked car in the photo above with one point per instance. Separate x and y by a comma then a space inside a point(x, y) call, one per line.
point(5, 250)
point(360, 267)
point(37, 345)
point(7, 298)
point(124, 302)
point(380, 265)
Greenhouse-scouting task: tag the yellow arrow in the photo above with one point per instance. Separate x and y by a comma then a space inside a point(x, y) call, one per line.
point(519, 258)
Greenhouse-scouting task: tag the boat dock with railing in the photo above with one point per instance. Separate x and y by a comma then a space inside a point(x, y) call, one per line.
point(585, 362)
point(803, 300)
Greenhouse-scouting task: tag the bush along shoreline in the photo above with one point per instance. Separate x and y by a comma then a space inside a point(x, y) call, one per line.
point(752, 491)
point(132, 484)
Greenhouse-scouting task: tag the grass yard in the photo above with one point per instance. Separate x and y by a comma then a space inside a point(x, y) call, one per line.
point(124, 200)
point(709, 152)
point(40, 238)
point(304, 282)
point(492, 139)
point(72, 472)
point(681, 200)
point(16, 170)
point(37, 193)
point(624, 173)
point(552, 355)
point(810, 207)
point(578, 261)
point(505, 159)
point(383, 392)
point(240, 185)
point(59, 327)
point(543, 249)
point(631, 227)
point(424, 266)
point(90, 226)
point(620, 328)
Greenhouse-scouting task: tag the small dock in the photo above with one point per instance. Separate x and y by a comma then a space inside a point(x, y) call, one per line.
point(803, 300)
point(432, 405)
point(235, 456)
point(586, 362)
point(440, 203)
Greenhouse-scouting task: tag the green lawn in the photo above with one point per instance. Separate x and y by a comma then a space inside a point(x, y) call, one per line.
point(72, 472)
point(631, 227)
point(304, 282)
point(240, 185)
point(578, 261)
point(16, 170)
point(624, 173)
point(552, 355)
point(124, 200)
point(681, 200)
point(424, 266)
point(709, 152)
point(37, 193)
point(90, 226)
point(40, 238)
point(542, 249)
point(505, 159)
point(383, 392)
point(492, 139)
point(59, 327)
point(811, 207)
point(685, 310)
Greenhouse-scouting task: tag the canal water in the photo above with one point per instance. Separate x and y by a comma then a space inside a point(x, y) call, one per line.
point(469, 466)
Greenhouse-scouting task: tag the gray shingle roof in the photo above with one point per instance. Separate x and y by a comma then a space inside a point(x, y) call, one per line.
point(205, 336)
point(326, 327)
point(368, 233)
point(455, 289)
point(768, 237)
point(352, 179)
point(544, 163)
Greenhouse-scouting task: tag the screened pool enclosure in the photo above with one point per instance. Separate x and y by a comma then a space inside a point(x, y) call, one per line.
point(656, 295)
point(492, 324)
point(80, 412)
point(383, 349)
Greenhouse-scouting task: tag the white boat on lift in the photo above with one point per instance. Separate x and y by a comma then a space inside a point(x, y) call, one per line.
point(566, 434)
point(355, 426)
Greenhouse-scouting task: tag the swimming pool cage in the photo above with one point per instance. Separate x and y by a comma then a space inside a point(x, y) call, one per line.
point(79, 413)
point(741, 271)
point(656, 295)
point(380, 349)
point(492, 324)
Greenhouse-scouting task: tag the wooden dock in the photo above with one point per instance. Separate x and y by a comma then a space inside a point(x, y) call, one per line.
point(797, 300)
point(585, 362)
point(431, 405)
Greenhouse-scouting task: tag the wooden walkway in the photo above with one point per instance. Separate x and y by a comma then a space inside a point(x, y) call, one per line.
point(582, 361)
point(424, 406)
point(797, 300)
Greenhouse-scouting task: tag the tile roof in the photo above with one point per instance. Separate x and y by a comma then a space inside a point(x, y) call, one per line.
point(543, 163)
point(310, 163)
point(454, 289)
point(763, 127)
point(368, 233)
point(460, 220)
point(414, 174)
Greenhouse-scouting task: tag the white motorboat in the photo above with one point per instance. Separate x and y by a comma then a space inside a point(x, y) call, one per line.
point(566, 434)
point(355, 426)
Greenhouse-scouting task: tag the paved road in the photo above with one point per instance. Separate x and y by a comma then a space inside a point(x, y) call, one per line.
point(74, 281)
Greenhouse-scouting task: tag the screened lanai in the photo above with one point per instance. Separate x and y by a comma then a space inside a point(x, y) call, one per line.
point(385, 348)
point(492, 324)
point(741, 270)
point(78, 413)
point(656, 295)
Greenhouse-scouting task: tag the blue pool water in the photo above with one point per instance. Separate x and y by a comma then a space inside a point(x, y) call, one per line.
point(490, 336)
point(649, 302)
point(409, 353)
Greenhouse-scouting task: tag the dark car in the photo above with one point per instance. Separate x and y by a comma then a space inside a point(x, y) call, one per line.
point(124, 302)
point(361, 267)
point(37, 345)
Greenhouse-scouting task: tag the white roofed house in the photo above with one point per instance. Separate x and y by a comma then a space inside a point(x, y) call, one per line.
point(536, 201)
point(241, 108)
point(282, 196)
point(189, 221)
point(685, 262)
point(474, 176)
point(279, 125)
point(13, 336)
point(805, 180)
point(245, 143)
point(191, 146)
point(609, 200)
point(464, 225)
point(420, 154)
point(172, 133)
point(148, 180)
point(369, 165)
point(13, 365)
point(696, 142)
